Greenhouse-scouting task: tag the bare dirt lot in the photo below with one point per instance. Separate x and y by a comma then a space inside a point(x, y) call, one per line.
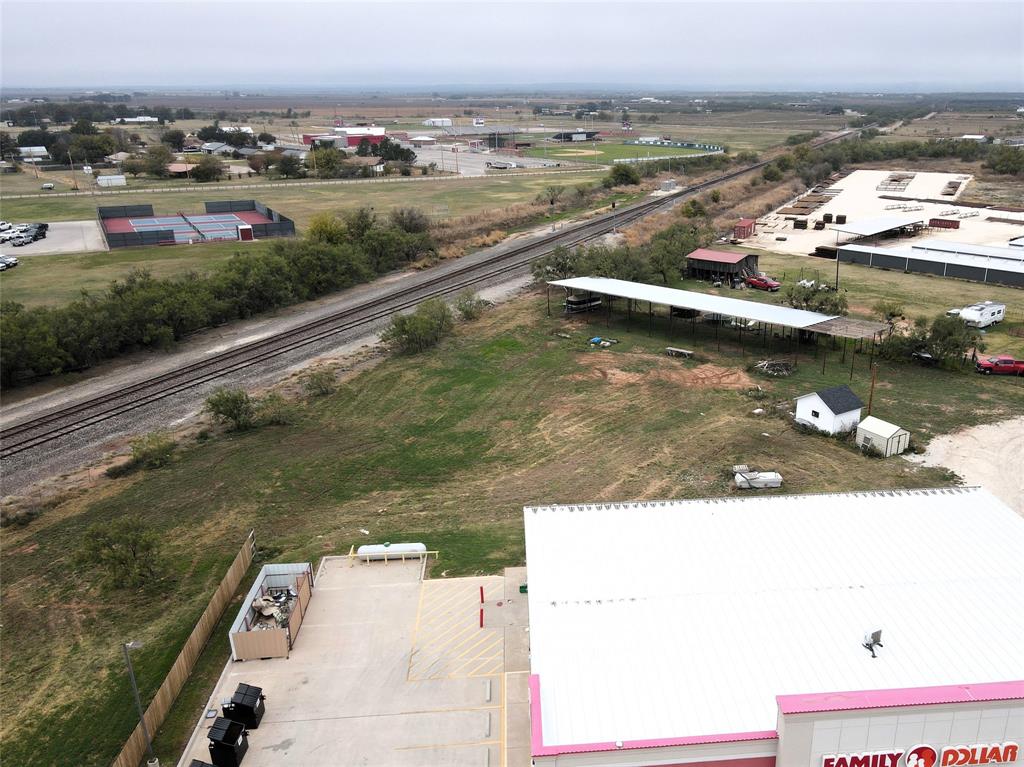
point(991, 456)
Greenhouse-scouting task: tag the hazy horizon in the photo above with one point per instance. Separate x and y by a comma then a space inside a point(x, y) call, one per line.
point(865, 46)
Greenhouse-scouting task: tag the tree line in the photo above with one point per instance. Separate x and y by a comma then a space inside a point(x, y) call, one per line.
point(142, 312)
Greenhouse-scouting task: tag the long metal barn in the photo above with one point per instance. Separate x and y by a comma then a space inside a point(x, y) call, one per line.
point(688, 304)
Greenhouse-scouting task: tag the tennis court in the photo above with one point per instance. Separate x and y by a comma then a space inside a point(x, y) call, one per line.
point(185, 228)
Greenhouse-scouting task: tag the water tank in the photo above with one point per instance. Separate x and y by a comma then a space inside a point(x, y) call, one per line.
point(390, 550)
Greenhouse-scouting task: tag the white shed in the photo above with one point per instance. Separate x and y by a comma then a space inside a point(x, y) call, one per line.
point(833, 411)
point(887, 438)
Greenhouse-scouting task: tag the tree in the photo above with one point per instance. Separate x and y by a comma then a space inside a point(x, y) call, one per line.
point(127, 551)
point(552, 193)
point(9, 149)
point(814, 300)
point(949, 338)
point(133, 166)
point(233, 407)
point(364, 148)
point(327, 228)
point(211, 133)
point(411, 220)
point(771, 173)
point(416, 332)
point(209, 168)
point(175, 139)
point(622, 174)
point(618, 263)
point(327, 162)
point(289, 166)
point(360, 222)
point(83, 128)
point(716, 196)
point(560, 264)
point(257, 163)
point(469, 305)
point(158, 157)
point(266, 138)
point(239, 139)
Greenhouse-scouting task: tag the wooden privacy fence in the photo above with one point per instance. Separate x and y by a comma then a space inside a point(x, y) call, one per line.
point(134, 749)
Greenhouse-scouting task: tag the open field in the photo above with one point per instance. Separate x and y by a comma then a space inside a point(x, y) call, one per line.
point(604, 151)
point(456, 197)
point(57, 279)
point(956, 124)
point(445, 447)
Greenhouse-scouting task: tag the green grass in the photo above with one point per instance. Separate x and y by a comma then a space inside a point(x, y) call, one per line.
point(445, 447)
point(57, 279)
point(300, 202)
point(606, 151)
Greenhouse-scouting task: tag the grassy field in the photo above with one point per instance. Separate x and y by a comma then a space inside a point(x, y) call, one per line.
point(300, 202)
point(445, 447)
point(57, 279)
point(605, 152)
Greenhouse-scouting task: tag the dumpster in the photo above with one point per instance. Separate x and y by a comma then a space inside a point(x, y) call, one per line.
point(246, 706)
point(228, 742)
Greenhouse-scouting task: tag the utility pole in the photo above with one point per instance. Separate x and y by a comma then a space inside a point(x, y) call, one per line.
point(874, 375)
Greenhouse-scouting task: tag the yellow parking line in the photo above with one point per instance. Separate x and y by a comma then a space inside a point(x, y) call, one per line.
point(441, 627)
point(484, 662)
point(465, 660)
point(447, 599)
point(504, 718)
point(451, 634)
point(415, 631)
point(463, 648)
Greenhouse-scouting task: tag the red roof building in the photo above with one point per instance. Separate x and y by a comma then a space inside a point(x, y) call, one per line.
point(707, 264)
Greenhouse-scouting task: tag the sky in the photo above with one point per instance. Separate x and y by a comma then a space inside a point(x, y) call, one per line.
point(848, 45)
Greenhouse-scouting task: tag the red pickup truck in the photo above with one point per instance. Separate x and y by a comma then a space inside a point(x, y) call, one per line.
point(761, 282)
point(1004, 364)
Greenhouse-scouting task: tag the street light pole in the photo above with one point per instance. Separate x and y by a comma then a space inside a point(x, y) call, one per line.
point(134, 645)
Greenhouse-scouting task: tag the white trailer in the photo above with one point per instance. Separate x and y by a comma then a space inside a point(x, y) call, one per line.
point(984, 314)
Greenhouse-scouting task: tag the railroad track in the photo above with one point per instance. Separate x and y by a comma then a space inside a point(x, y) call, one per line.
point(68, 420)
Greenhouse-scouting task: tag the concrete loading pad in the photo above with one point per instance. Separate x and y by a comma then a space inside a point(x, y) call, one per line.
point(391, 669)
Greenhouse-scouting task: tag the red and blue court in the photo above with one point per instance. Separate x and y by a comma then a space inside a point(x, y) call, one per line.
point(223, 220)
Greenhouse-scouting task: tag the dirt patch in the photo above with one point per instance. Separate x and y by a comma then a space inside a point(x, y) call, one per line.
point(577, 153)
point(969, 453)
point(602, 368)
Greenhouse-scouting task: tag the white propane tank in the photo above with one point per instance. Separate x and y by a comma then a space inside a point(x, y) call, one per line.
point(390, 550)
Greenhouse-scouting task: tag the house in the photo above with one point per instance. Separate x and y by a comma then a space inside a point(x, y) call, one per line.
point(216, 147)
point(247, 152)
point(707, 264)
point(117, 157)
point(887, 438)
point(833, 411)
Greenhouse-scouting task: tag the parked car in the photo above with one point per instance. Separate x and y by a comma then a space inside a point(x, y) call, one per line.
point(925, 358)
point(763, 282)
point(3, 266)
point(9, 261)
point(22, 239)
point(1002, 364)
point(8, 235)
point(4, 226)
point(47, 187)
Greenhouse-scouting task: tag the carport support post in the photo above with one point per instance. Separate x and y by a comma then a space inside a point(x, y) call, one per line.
point(845, 340)
point(718, 343)
point(853, 358)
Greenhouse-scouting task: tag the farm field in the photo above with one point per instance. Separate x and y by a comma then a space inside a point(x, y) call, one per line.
point(444, 447)
point(956, 124)
point(605, 151)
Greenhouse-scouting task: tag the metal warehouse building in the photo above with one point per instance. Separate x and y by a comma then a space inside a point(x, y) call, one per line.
point(743, 632)
point(978, 263)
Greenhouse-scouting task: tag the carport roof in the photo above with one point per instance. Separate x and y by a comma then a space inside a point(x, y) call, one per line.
point(701, 302)
point(717, 256)
point(869, 226)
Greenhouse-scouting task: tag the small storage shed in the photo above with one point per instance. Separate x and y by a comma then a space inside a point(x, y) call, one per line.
point(887, 438)
point(833, 411)
point(745, 227)
point(707, 264)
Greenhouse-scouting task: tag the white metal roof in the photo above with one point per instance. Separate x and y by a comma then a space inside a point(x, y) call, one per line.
point(868, 226)
point(938, 257)
point(878, 426)
point(969, 249)
point(702, 302)
point(686, 618)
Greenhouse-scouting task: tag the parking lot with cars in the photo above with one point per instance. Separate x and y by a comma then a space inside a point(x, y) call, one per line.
point(40, 238)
